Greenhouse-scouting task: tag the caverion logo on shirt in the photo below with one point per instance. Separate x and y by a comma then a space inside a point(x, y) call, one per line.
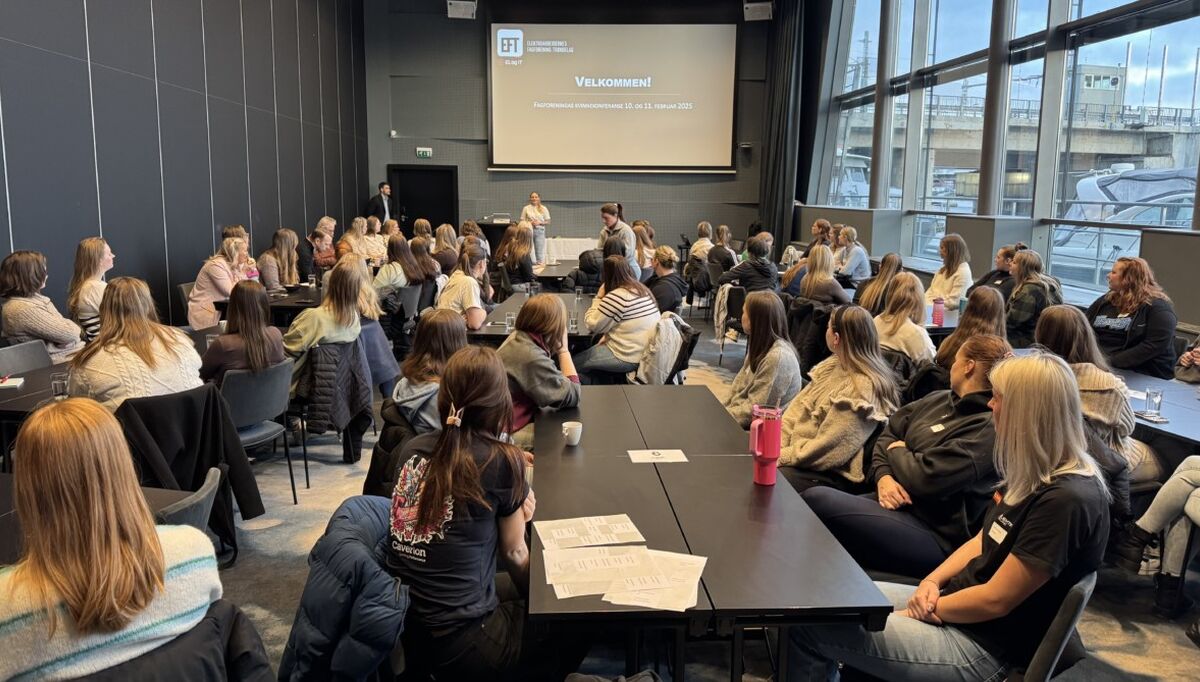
point(405, 499)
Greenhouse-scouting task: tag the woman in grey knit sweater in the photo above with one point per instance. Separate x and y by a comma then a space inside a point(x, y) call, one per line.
point(770, 375)
point(29, 315)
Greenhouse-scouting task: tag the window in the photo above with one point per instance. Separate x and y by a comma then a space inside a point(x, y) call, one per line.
point(864, 46)
point(1131, 137)
point(957, 27)
point(951, 139)
point(899, 125)
point(850, 181)
point(928, 231)
point(1085, 8)
point(1031, 17)
point(1021, 138)
point(904, 36)
point(1081, 257)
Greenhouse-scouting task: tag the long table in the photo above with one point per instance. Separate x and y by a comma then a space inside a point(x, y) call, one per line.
point(493, 332)
point(286, 306)
point(1180, 405)
point(770, 560)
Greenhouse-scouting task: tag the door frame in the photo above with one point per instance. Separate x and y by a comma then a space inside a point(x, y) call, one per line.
point(424, 167)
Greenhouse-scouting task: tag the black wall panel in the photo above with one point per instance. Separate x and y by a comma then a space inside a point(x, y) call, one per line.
point(310, 63)
point(130, 182)
point(287, 58)
point(120, 35)
point(256, 31)
point(314, 174)
point(333, 174)
point(350, 203)
point(223, 40)
point(231, 195)
point(327, 30)
point(291, 176)
point(264, 185)
point(179, 43)
point(55, 25)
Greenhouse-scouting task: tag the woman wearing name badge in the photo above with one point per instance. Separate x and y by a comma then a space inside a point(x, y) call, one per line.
point(1001, 278)
point(539, 217)
point(986, 608)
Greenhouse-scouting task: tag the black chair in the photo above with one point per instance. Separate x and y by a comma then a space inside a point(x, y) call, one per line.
point(428, 296)
point(1045, 659)
point(255, 402)
point(902, 366)
point(735, 300)
point(404, 318)
point(185, 293)
point(24, 357)
point(690, 338)
point(194, 509)
point(714, 273)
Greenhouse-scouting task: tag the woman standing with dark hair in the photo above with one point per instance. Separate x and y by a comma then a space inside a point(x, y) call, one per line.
point(613, 217)
point(541, 373)
point(770, 374)
point(1135, 321)
point(249, 341)
point(28, 315)
point(460, 506)
point(625, 312)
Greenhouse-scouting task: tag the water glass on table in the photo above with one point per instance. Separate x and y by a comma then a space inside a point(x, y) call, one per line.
point(59, 382)
point(312, 281)
point(1154, 398)
point(578, 295)
point(510, 321)
point(573, 323)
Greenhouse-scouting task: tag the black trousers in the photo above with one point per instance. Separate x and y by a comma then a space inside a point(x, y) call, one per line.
point(352, 437)
point(882, 539)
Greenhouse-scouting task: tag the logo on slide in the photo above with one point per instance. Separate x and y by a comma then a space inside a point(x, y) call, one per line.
point(510, 42)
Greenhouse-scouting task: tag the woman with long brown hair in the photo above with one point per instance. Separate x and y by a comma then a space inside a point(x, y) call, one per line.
point(460, 507)
point(873, 294)
point(984, 315)
point(1135, 321)
point(439, 334)
point(625, 312)
point(515, 256)
point(540, 371)
point(249, 341)
point(401, 270)
point(470, 228)
point(93, 258)
point(1033, 292)
point(900, 325)
point(29, 315)
point(847, 397)
point(133, 356)
point(644, 237)
point(770, 374)
point(420, 250)
point(951, 280)
point(97, 584)
point(277, 265)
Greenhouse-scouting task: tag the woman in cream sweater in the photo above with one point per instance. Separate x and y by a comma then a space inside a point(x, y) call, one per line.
point(950, 282)
point(900, 324)
point(847, 397)
point(770, 374)
point(133, 356)
point(30, 316)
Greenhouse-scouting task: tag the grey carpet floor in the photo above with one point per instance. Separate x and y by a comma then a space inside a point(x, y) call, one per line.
point(1126, 641)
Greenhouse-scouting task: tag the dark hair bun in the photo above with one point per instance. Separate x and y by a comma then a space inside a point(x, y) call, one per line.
point(1020, 246)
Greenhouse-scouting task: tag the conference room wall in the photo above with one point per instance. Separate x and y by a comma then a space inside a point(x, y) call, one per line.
point(155, 124)
point(426, 78)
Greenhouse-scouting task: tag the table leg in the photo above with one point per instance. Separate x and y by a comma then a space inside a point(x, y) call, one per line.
point(680, 654)
point(735, 660)
point(632, 644)
point(781, 656)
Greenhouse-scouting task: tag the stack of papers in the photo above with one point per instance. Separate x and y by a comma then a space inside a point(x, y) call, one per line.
point(578, 564)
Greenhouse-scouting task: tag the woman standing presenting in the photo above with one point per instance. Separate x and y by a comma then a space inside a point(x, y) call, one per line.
point(539, 216)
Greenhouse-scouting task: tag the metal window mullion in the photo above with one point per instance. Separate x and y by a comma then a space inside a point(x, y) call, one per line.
point(995, 109)
point(881, 139)
point(1050, 121)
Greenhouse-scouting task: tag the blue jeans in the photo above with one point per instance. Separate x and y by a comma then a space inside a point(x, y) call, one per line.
point(599, 358)
point(906, 649)
point(539, 245)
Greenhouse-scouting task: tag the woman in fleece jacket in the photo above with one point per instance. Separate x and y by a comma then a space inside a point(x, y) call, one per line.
point(538, 362)
point(849, 395)
point(933, 472)
point(770, 374)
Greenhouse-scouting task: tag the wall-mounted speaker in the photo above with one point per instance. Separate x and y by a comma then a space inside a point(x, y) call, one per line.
point(757, 11)
point(461, 9)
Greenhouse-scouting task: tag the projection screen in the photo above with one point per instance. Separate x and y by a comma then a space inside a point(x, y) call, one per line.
point(608, 96)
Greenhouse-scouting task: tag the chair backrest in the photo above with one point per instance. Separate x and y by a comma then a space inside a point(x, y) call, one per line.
point(690, 338)
point(714, 272)
point(428, 294)
point(736, 245)
point(194, 509)
point(1180, 345)
point(1041, 666)
point(410, 298)
point(185, 292)
point(902, 365)
point(255, 398)
point(735, 300)
point(23, 357)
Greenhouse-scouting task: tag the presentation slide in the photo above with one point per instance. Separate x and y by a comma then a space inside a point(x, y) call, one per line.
point(613, 96)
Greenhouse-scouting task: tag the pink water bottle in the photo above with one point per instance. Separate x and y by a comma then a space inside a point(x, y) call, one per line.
point(765, 432)
point(939, 311)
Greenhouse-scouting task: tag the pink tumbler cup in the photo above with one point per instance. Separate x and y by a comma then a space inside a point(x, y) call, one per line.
point(765, 432)
point(939, 311)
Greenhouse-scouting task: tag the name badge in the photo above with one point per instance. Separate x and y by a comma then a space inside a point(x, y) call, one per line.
point(997, 533)
point(937, 428)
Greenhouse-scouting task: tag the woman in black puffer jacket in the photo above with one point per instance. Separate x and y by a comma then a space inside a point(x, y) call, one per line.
point(587, 275)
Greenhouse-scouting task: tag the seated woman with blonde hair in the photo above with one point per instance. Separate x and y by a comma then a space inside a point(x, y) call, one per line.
point(215, 282)
point(900, 325)
point(133, 356)
point(98, 583)
point(93, 258)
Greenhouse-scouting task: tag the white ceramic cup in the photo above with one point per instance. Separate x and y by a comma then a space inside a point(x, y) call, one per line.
point(573, 431)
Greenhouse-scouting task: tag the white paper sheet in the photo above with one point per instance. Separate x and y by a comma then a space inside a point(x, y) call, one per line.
point(626, 568)
point(587, 531)
point(683, 572)
point(656, 456)
point(1137, 395)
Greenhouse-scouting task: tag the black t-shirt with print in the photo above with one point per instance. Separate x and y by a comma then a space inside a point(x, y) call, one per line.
point(1061, 529)
point(450, 569)
point(1111, 327)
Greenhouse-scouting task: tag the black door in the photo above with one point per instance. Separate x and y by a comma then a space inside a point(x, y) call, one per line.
point(423, 191)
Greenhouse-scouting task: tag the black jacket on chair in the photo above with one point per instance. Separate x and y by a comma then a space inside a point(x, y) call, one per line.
point(807, 320)
point(304, 259)
point(335, 383)
point(223, 646)
point(385, 457)
point(175, 439)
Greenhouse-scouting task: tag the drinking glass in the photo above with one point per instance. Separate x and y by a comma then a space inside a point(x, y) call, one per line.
point(510, 320)
point(1153, 401)
point(578, 294)
point(58, 384)
point(312, 281)
point(573, 323)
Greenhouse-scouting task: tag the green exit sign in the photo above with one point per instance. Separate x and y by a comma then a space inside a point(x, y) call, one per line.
point(424, 152)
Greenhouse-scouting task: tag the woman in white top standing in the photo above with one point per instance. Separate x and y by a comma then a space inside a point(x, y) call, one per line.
point(950, 282)
point(900, 324)
point(625, 312)
point(539, 216)
point(93, 258)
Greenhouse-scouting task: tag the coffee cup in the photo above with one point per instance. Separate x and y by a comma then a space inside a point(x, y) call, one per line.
point(572, 431)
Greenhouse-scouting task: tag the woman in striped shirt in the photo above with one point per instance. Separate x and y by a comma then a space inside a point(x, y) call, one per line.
point(625, 312)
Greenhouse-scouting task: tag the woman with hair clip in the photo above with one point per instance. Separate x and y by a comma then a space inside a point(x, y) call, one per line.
point(28, 315)
point(613, 218)
point(818, 283)
point(540, 371)
point(93, 258)
point(445, 248)
point(354, 239)
point(625, 312)
point(987, 607)
point(515, 256)
point(467, 288)
point(440, 333)
point(277, 265)
point(1033, 292)
point(460, 507)
point(133, 356)
point(401, 270)
point(872, 295)
point(770, 374)
point(848, 396)
point(644, 236)
point(1135, 321)
point(215, 282)
point(933, 474)
point(538, 217)
point(901, 325)
point(852, 262)
point(249, 341)
point(951, 280)
point(98, 583)
point(1001, 278)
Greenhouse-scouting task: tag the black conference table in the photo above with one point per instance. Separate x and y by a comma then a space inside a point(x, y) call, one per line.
point(770, 560)
point(552, 274)
point(946, 328)
point(10, 528)
point(493, 332)
point(285, 306)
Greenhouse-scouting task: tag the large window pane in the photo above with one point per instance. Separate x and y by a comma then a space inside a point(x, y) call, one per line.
point(904, 37)
point(899, 125)
point(850, 184)
point(957, 27)
point(1084, 8)
point(1131, 133)
point(1080, 257)
point(928, 231)
point(951, 140)
point(1031, 17)
point(1020, 141)
point(864, 44)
